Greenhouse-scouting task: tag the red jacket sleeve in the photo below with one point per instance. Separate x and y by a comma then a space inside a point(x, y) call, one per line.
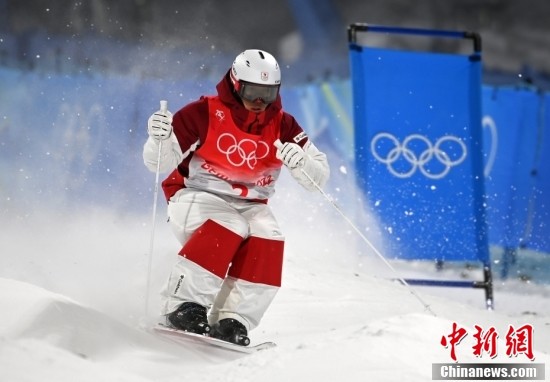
point(291, 131)
point(190, 123)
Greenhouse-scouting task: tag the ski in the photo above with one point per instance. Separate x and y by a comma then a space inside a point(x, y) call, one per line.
point(181, 336)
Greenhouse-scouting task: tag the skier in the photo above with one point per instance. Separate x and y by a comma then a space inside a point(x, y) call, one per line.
point(226, 153)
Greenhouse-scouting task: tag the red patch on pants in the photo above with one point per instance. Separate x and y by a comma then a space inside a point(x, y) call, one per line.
point(259, 261)
point(212, 246)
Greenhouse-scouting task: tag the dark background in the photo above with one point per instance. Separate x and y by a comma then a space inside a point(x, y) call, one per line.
point(180, 38)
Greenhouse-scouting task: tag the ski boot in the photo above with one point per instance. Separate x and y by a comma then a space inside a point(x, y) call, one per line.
point(190, 317)
point(230, 330)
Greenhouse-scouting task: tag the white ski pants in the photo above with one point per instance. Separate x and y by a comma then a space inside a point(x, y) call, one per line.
point(231, 257)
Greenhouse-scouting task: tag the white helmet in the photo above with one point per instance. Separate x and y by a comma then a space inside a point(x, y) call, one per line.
point(255, 75)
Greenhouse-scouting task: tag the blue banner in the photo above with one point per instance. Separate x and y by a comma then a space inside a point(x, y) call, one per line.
point(418, 151)
point(517, 149)
point(510, 135)
point(538, 227)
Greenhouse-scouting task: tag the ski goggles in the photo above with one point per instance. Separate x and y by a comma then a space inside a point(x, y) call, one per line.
point(254, 92)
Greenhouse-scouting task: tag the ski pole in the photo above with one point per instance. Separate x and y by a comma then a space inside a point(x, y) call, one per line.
point(163, 109)
point(279, 144)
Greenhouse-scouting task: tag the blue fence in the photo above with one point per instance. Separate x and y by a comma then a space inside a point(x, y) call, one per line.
point(418, 147)
point(71, 141)
point(448, 165)
point(68, 141)
point(516, 135)
point(517, 148)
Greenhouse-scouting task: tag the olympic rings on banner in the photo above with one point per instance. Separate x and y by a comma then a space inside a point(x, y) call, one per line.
point(247, 151)
point(417, 161)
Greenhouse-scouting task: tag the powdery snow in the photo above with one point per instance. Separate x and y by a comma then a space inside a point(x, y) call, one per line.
point(72, 291)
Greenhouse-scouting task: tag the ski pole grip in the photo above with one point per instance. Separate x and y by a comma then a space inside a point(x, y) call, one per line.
point(164, 106)
point(278, 143)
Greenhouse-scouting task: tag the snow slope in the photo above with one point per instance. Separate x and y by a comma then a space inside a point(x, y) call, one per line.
point(72, 288)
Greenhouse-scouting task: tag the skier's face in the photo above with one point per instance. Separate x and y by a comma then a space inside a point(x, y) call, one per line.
point(256, 107)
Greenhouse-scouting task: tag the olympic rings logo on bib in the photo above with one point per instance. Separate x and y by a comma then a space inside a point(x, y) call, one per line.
point(245, 152)
point(417, 152)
